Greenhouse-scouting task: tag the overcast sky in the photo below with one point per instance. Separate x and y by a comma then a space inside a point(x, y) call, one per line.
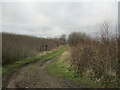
point(50, 19)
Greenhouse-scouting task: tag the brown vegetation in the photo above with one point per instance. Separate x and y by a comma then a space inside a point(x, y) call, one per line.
point(16, 47)
point(97, 59)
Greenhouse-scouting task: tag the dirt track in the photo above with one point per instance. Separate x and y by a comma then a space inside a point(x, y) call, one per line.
point(34, 76)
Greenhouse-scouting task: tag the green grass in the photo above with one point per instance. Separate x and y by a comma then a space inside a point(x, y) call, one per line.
point(61, 68)
point(42, 57)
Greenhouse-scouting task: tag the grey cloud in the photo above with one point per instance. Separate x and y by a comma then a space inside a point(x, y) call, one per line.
point(53, 19)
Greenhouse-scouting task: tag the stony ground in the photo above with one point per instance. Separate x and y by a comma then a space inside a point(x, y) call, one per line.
point(34, 76)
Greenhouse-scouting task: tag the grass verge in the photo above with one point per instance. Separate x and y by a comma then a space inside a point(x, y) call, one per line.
point(61, 68)
point(42, 57)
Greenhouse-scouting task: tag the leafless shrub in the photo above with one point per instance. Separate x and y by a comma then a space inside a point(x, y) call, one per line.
point(98, 57)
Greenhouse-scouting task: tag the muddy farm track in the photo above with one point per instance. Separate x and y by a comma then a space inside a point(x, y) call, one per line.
point(34, 76)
